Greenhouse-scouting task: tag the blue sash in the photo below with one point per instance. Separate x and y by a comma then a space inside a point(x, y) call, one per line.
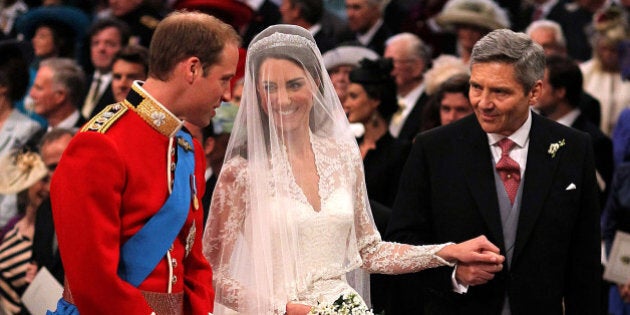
point(143, 251)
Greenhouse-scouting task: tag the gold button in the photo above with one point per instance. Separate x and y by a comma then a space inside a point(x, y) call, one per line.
point(174, 280)
point(174, 262)
point(509, 176)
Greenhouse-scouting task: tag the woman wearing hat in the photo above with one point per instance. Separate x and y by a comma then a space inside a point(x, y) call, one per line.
point(23, 173)
point(371, 101)
point(471, 20)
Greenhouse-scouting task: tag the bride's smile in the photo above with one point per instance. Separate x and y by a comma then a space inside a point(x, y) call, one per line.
point(285, 90)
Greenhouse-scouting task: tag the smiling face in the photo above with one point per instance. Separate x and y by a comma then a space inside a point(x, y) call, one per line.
point(286, 94)
point(358, 105)
point(498, 99)
point(103, 47)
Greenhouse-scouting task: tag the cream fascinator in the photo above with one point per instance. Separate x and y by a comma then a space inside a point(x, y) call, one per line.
point(20, 170)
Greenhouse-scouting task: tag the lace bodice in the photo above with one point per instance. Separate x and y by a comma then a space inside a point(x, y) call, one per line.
point(330, 242)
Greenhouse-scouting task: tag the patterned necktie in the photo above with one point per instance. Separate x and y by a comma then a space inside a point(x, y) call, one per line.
point(508, 169)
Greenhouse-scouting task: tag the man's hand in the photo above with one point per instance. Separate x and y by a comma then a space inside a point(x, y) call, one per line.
point(476, 250)
point(476, 273)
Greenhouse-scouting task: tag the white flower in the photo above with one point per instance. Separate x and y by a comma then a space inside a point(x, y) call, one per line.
point(346, 304)
point(554, 147)
point(158, 118)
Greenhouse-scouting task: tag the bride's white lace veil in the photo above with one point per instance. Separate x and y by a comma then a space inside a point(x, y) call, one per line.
point(252, 237)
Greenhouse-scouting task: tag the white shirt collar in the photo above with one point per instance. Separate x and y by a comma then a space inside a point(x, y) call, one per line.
point(366, 37)
point(69, 122)
point(520, 136)
point(315, 28)
point(569, 118)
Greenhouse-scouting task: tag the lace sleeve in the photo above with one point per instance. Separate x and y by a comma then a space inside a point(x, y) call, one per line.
point(387, 257)
point(227, 213)
point(222, 232)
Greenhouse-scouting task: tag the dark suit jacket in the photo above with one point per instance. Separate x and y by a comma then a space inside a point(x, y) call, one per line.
point(43, 238)
point(268, 14)
point(378, 40)
point(207, 196)
point(382, 167)
point(333, 32)
point(447, 193)
point(411, 126)
point(602, 147)
point(106, 99)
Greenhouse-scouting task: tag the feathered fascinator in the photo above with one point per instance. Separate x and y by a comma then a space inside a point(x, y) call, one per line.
point(20, 170)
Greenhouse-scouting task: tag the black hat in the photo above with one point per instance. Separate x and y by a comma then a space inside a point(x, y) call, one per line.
point(372, 71)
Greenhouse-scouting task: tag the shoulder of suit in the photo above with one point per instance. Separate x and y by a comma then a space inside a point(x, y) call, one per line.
point(106, 118)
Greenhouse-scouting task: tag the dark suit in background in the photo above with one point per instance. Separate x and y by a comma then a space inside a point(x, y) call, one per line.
point(413, 122)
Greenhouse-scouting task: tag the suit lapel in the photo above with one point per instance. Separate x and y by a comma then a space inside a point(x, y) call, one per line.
point(476, 161)
point(538, 177)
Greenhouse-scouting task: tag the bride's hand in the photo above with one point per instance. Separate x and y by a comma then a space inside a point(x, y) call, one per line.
point(297, 309)
point(476, 250)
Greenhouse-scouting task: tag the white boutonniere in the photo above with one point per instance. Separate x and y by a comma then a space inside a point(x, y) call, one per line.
point(554, 147)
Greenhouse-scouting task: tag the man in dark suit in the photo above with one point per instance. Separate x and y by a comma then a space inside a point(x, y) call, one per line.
point(411, 58)
point(559, 101)
point(365, 19)
point(537, 200)
point(45, 249)
point(107, 37)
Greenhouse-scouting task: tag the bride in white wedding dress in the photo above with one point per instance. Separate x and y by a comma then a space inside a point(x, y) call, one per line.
point(290, 224)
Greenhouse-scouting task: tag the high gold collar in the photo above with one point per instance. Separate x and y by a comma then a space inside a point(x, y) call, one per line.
point(151, 111)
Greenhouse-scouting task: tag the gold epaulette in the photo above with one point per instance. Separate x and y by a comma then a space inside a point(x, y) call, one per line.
point(106, 118)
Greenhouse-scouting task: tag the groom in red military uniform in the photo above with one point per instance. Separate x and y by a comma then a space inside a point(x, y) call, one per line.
point(126, 194)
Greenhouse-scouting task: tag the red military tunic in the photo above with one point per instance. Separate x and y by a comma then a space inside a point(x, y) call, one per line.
point(113, 177)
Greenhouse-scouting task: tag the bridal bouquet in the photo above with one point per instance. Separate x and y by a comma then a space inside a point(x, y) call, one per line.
point(346, 304)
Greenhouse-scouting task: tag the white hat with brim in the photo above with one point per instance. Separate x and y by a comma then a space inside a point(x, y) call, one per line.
point(481, 14)
point(347, 56)
point(19, 171)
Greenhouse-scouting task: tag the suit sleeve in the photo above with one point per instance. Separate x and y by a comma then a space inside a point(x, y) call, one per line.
point(86, 195)
point(198, 274)
point(583, 264)
point(411, 218)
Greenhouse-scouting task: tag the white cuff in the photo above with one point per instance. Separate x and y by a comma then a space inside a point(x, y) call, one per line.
point(458, 287)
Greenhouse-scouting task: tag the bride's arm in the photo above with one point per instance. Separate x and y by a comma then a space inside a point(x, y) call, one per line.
point(223, 233)
point(227, 213)
point(395, 258)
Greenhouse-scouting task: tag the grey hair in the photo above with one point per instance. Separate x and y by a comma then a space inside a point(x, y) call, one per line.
point(68, 75)
point(415, 46)
point(548, 24)
point(517, 49)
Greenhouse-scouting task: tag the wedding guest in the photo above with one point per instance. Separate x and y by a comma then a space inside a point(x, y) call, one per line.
point(22, 172)
point(290, 214)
